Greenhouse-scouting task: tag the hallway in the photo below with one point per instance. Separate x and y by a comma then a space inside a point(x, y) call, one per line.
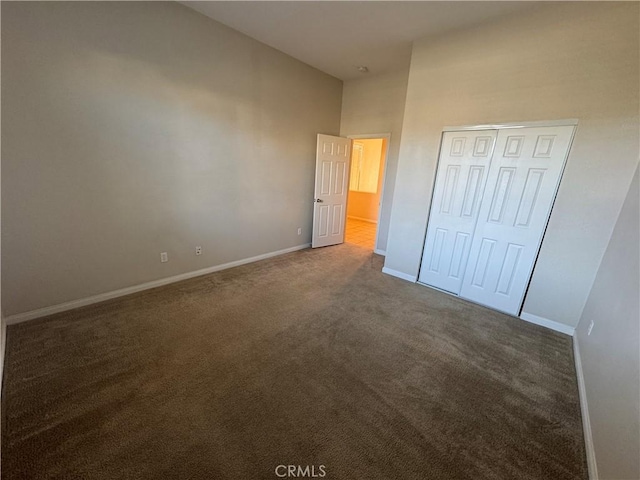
point(361, 233)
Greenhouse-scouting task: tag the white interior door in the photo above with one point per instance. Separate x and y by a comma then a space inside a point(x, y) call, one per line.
point(462, 172)
point(521, 186)
point(333, 156)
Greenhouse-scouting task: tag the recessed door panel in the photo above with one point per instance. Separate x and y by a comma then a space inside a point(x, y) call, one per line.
point(337, 224)
point(473, 192)
point(501, 194)
point(325, 178)
point(509, 268)
point(482, 261)
point(323, 221)
point(529, 196)
point(436, 250)
point(462, 171)
point(457, 258)
point(450, 187)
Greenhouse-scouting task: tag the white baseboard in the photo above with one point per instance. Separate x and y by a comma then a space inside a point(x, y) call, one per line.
point(62, 307)
point(3, 344)
point(396, 273)
point(380, 252)
point(545, 322)
point(362, 219)
point(3, 350)
point(584, 408)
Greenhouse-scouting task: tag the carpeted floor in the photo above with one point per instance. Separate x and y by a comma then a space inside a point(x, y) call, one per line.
point(314, 358)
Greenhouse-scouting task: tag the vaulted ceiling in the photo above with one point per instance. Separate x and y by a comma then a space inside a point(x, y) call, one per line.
point(336, 37)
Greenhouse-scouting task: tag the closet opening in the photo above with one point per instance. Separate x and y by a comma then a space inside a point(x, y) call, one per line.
point(493, 195)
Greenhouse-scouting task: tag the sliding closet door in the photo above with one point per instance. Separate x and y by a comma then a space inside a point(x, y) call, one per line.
point(462, 173)
point(521, 187)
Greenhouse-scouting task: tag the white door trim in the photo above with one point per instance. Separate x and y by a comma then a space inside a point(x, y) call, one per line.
point(499, 126)
point(387, 137)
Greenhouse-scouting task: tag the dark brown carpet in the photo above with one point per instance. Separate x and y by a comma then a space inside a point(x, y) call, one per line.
point(312, 358)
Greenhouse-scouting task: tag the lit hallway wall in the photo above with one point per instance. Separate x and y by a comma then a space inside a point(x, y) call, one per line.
point(365, 205)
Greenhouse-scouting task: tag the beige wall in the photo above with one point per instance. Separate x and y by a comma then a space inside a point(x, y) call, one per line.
point(365, 205)
point(558, 61)
point(3, 326)
point(610, 356)
point(376, 105)
point(133, 128)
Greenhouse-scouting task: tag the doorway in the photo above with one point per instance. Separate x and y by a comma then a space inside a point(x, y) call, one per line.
point(366, 184)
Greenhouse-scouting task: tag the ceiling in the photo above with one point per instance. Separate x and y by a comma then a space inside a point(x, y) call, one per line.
point(337, 36)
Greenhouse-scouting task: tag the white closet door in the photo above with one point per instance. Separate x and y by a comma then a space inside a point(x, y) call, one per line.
point(521, 186)
point(462, 173)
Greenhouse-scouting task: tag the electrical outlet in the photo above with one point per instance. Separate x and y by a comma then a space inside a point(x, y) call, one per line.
point(198, 250)
point(591, 325)
point(164, 257)
point(299, 231)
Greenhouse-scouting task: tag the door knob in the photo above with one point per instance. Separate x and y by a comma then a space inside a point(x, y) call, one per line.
point(319, 200)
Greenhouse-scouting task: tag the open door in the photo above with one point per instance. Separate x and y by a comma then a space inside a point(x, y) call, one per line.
point(333, 158)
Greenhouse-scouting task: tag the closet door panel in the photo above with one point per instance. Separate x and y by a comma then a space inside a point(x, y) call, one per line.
point(462, 172)
point(521, 186)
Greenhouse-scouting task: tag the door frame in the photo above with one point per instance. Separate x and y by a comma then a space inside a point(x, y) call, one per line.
point(387, 137)
point(503, 126)
point(567, 122)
